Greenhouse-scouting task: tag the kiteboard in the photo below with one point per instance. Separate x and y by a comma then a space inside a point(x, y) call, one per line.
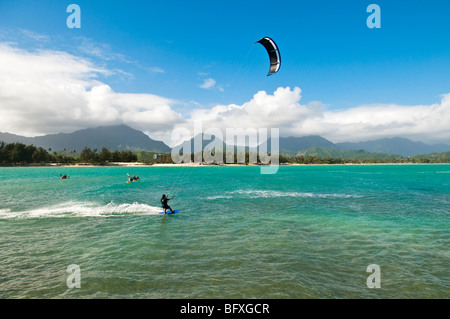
point(169, 212)
point(136, 180)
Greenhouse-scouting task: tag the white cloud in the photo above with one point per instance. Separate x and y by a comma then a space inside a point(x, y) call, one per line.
point(99, 50)
point(35, 36)
point(52, 91)
point(262, 111)
point(429, 123)
point(156, 69)
point(103, 52)
point(283, 110)
point(208, 83)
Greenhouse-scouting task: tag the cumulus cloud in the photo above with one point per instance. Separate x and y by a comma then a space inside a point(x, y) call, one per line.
point(283, 110)
point(429, 123)
point(264, 110)
point(52, 91)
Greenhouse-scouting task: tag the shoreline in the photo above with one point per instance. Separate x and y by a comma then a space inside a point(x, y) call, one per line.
point(137, 164)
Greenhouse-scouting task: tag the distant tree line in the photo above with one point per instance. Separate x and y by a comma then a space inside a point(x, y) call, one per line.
point(18, 153)
point(105, 156)
point(443, 158)
point(330, 160)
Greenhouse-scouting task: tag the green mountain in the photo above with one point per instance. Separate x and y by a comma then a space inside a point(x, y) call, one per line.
point(124, 138)
point(351, 154)
point(114, 138)
point(289, 144)
point(445, 156)
point(396, 145)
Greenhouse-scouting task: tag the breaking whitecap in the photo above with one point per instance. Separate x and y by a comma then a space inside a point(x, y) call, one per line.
point(82, 209)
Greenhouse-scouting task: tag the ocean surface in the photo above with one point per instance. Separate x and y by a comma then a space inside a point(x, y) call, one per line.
point(305, 232)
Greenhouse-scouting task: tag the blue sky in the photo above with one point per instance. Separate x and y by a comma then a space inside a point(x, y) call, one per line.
point(170, 48)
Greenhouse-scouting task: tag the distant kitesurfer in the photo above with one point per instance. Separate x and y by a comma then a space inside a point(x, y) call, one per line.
point(164, 204)
point(133, 178)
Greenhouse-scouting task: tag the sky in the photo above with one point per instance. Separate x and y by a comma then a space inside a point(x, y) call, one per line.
point(161, 65)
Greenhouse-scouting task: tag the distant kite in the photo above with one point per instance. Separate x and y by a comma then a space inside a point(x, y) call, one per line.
point(274, 54)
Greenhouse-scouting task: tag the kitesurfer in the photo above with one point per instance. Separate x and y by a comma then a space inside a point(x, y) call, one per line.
point(164, 205)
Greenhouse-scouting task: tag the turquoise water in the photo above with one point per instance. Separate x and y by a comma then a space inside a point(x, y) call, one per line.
point(305, 232)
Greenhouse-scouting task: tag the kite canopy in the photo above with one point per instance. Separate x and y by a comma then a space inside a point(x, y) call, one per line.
point(274, 54)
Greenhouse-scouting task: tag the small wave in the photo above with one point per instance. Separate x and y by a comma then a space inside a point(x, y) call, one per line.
point(370, 173)
point(274, 194)
point(270, 194)
point(443, 172)
point(219, 197)
point(82, 209)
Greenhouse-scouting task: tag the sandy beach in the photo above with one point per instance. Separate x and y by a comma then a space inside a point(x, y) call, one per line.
point(137, 164)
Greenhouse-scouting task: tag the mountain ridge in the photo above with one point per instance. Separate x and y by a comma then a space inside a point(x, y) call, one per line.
point(291, 146)
point(394, 145)
point(124, 138)
point(114, 138)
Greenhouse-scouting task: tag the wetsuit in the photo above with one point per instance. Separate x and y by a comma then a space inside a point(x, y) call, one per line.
point(164, 204)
